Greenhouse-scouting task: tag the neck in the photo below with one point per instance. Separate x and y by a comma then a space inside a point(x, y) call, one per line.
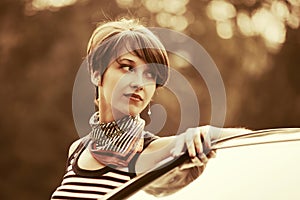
point(108, 115)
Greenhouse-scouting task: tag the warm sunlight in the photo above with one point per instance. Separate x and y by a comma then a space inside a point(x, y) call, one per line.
point(245, 24)
point(153, 6)
point(176, 22)
point(125, 3)
point(220, 10)
point(175, 6)
point(45, 4)
point(280, 9)
point(269, 27)
point(268, 21)
point(231, 63)
point(169, 13)
point(224, 29)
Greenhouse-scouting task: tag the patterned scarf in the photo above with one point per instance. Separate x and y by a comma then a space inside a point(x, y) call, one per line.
point(115, 143)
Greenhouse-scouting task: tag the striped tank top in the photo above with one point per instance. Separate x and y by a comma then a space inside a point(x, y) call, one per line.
point(93, 184)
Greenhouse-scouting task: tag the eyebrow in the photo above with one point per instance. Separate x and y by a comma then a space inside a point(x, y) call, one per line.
point(126, 59)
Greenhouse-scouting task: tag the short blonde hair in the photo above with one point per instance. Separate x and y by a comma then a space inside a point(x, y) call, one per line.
point(112, 39)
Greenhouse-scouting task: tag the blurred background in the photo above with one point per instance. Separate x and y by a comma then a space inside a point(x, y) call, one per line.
point(255, 45)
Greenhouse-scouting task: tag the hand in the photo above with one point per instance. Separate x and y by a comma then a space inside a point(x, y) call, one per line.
point(197, 141)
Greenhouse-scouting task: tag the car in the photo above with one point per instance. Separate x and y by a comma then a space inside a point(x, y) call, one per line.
point(262, 165)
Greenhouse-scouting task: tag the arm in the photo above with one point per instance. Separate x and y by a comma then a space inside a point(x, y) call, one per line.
point(196, 140)
point(157, 151)
point(175, 179)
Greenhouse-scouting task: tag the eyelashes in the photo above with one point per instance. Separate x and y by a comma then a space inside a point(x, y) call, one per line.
point(148, 73)
point(128, 68)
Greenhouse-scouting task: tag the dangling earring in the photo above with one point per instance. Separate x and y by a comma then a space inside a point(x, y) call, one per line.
point(95, 78)
point(149, 111)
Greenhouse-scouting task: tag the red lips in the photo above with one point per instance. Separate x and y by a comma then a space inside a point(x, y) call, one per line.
point(134, 96)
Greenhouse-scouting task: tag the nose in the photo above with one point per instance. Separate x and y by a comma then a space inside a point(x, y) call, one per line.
point(137, 83)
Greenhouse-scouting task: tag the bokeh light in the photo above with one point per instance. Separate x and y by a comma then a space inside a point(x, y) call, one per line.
point(245, 24)
point(255, 44)
point(153, 6)
point(125, 3)
point(268, 19)
point(220, 10)
point(280, 9)
point(224, 29)
point(270, 27)
point(175, 6)
point(170, 13)
point(46, 4)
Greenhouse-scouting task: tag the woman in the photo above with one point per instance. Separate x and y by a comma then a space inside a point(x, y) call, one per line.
point(127, 63)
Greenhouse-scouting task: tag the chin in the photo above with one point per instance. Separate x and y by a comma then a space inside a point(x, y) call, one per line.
point(134, 113)
point(131, 112)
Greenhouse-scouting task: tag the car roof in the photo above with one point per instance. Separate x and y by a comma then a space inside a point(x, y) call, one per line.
point(264, 165)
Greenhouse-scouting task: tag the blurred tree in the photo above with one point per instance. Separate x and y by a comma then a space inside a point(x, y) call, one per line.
point(255, 45)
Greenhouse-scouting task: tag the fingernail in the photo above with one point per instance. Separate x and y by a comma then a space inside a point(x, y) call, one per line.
point(174, 153)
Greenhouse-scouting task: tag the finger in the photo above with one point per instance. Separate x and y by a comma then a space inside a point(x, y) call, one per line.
point(189, 141)
point(194, 162)
point(197, 161)
point(211, 154)
point(198, 143)
point(200, 146)
point(203, 158)
point(205, 138)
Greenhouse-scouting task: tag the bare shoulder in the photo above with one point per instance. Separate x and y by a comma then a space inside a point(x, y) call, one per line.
point(73, 146)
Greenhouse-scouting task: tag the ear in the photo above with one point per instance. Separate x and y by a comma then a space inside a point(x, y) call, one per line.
point(96, 78)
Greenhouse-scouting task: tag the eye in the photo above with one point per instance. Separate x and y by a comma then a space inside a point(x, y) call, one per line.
point(127, 68)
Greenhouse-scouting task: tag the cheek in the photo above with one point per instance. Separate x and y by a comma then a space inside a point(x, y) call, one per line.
point(116, 90)
point(150, 90)
point(111, 88)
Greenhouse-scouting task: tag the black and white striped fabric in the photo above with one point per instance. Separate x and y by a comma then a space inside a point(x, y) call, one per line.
point(94, 184)
point(88, 184)
point(115, 143)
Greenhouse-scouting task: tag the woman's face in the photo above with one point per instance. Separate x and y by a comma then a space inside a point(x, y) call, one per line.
point(127, 87)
